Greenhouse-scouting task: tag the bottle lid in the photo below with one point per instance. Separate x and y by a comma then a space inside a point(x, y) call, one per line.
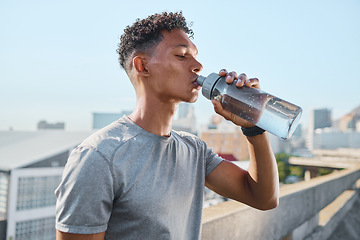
point(207, 83)
point(200, 80)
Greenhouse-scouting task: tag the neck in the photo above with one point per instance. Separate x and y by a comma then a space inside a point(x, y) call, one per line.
point(154, 116)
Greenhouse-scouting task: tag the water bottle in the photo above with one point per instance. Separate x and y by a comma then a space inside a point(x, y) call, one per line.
point(268, 112)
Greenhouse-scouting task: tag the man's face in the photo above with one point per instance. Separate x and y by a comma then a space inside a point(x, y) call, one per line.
point(173, 68)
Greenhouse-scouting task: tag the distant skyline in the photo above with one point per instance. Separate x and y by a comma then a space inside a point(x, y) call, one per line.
point(58, 60)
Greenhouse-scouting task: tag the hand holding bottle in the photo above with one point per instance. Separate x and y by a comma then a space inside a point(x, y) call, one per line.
point(241, 80)
point(246, 105)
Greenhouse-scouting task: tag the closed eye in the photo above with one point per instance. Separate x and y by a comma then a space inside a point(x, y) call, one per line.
point(181, 56)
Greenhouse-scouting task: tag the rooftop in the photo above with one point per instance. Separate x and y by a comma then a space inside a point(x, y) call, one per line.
point(18, 149)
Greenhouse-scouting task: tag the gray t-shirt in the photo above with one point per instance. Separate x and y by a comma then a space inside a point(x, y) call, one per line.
point(134, 184)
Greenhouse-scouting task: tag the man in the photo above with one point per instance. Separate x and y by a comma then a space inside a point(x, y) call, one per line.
point(138, 179)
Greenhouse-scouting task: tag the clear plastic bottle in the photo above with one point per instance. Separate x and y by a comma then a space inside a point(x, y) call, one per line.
point(268, 112)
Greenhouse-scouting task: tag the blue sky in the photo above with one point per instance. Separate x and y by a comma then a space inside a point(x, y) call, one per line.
point(58, 59)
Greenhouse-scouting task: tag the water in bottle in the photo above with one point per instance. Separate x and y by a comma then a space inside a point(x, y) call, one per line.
point(268, 112)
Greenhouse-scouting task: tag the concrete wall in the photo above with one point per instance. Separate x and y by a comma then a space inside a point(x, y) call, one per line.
point(295, 218)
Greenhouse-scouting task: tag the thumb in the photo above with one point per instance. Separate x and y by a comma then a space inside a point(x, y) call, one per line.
point(218, 108)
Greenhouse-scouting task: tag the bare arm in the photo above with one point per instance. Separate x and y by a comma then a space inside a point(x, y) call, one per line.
point(259, 186)
point(72, 236)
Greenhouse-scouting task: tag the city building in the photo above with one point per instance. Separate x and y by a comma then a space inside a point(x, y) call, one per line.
point(225, 138)
point(291, 145)
point(101, 120)
point(350, 121)
point(185, 120)
point(330, 138)
point(45, 125)
point(31, 165)
point(185, 109)
point(321, 118)
point(318, 119)
point(343, 133)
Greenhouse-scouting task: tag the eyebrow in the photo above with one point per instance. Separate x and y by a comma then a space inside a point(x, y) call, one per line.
point(186, 46)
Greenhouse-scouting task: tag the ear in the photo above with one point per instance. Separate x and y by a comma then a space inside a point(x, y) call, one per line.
point(139, 64)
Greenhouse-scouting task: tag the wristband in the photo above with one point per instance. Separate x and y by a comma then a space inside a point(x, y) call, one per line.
point(252, 131)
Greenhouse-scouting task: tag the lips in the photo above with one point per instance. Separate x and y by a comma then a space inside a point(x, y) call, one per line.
point(196, 85)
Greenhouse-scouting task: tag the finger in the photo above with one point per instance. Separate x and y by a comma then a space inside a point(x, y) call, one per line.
point(242, 80)
point(223, 72)
point(230, 116)
point(220, 110)
point(230, 77)
point(253, 82)
point(217, 106)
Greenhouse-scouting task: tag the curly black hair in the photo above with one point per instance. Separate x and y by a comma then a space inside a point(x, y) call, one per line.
point(145, 34)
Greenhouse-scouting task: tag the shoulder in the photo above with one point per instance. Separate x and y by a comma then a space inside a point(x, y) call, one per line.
point(185, 135)
point(108, 139)
point(189, 138)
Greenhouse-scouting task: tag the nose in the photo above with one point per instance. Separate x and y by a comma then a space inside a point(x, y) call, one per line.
point(197, 67)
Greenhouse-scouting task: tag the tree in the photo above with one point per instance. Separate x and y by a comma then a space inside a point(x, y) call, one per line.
point(296, 171)
point(282, 157)
point(282, 160)
point(285, 169)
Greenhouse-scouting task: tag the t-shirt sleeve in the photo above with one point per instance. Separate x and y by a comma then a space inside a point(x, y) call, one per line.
point(85, 194)
point(212, 160)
